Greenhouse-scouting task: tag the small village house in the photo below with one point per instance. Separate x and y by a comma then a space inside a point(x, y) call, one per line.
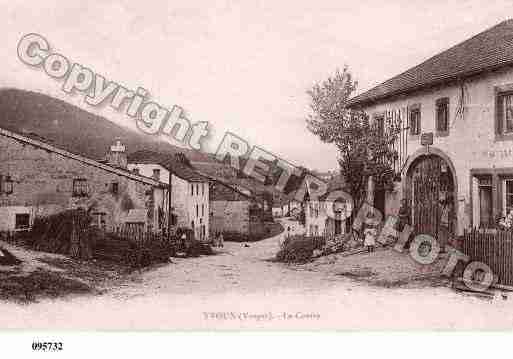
point(38, 179)
point(189, 192)
point(236, 215)
point(324, 216)
point(456, 145)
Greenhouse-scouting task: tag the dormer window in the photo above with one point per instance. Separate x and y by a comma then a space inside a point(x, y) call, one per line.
point(156, 174)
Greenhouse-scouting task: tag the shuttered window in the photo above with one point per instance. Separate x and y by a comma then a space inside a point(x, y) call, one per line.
point(442, 115)
point(504, 113)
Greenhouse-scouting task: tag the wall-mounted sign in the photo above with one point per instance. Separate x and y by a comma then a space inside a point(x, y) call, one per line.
point(426, 139)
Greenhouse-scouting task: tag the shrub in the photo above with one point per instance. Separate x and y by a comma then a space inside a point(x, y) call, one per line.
point(298, 249)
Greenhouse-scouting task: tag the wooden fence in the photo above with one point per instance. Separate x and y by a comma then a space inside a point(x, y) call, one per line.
point(495, 248)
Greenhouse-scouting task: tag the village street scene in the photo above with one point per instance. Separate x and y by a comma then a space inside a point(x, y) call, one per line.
point(387, 207)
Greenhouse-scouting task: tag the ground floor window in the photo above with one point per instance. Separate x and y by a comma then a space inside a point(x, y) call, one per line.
point(485, 202)
point(507, 198)
point(22, 221)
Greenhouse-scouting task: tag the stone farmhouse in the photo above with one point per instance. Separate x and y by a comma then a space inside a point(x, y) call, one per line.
point(236, 215)
point(189, 190)
point(456, 144)
point(38, 178)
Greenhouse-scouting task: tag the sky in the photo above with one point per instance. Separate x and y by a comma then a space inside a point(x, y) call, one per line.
point(242, 66)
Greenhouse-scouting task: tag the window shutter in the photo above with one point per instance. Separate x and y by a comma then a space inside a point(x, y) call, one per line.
point(499, 118)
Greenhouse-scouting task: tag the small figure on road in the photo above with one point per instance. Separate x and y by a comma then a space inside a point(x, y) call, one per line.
point(370, 233)
point(404, 214)
point(220, 240)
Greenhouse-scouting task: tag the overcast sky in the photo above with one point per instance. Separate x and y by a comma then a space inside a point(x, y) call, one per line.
point(243, 66)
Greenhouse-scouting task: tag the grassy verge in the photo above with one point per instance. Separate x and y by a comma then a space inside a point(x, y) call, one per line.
point(26, 288)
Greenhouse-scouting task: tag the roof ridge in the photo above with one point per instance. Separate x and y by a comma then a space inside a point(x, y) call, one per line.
point(355, 99)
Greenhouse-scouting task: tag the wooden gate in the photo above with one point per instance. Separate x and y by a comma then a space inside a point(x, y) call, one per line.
point(431, 181)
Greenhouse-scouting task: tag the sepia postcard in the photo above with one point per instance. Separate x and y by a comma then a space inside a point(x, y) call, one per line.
point(249, 165)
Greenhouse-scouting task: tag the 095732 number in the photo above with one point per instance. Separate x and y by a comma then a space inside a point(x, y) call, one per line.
point(47, 346)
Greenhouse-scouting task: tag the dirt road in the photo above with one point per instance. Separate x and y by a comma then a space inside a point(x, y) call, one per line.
point(241, 289)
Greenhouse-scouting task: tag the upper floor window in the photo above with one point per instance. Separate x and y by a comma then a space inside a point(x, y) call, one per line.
point(202, 189)
point(414, 120)
point(6, 185)
point(442, 115)
point(80, 188)
point(115, 187)
point(379, 122)
point(192, 189)
point(505, 113)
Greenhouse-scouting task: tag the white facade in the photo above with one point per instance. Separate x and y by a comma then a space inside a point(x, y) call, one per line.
point(189, 199)
point(472, 146)
point(323, 218)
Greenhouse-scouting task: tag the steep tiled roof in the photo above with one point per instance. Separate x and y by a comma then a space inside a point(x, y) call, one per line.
point(220, 191)
point(35, 141)
point(174, 166)
point(487, 51)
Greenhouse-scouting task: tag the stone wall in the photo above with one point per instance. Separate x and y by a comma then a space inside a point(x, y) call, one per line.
point(44, 183)
point(230, 216)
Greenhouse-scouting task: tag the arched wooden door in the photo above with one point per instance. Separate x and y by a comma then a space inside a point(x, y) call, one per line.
point(431, 188)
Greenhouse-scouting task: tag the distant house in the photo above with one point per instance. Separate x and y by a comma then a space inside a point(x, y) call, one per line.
point(189, 195)
point(286, 205)
point(39, 179)
point(324, 216)
point(233, 213)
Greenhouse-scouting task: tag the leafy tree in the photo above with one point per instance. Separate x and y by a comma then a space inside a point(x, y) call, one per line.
point(365, 150)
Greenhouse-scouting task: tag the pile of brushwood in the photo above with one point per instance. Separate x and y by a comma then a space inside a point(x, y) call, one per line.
point(133, 253)
point(68, 232)
point(299, 249)
point(7, 259)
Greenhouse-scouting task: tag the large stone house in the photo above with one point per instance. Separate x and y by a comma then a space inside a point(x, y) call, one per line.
point(456, 145)
point(189, 197)
point(37, 179)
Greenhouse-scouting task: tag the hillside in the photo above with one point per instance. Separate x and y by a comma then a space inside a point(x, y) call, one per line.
point(79, 131)
point(72, 128)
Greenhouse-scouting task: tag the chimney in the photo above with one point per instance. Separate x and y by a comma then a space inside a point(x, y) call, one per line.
point(116, 156)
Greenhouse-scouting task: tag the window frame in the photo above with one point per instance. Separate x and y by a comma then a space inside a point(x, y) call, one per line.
point(414, 109)
point(20, 228)
point(83, 187)
point(379, 121)
point(115, 187)
point(440, 103)
point(500, 93)
point(505, 195)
